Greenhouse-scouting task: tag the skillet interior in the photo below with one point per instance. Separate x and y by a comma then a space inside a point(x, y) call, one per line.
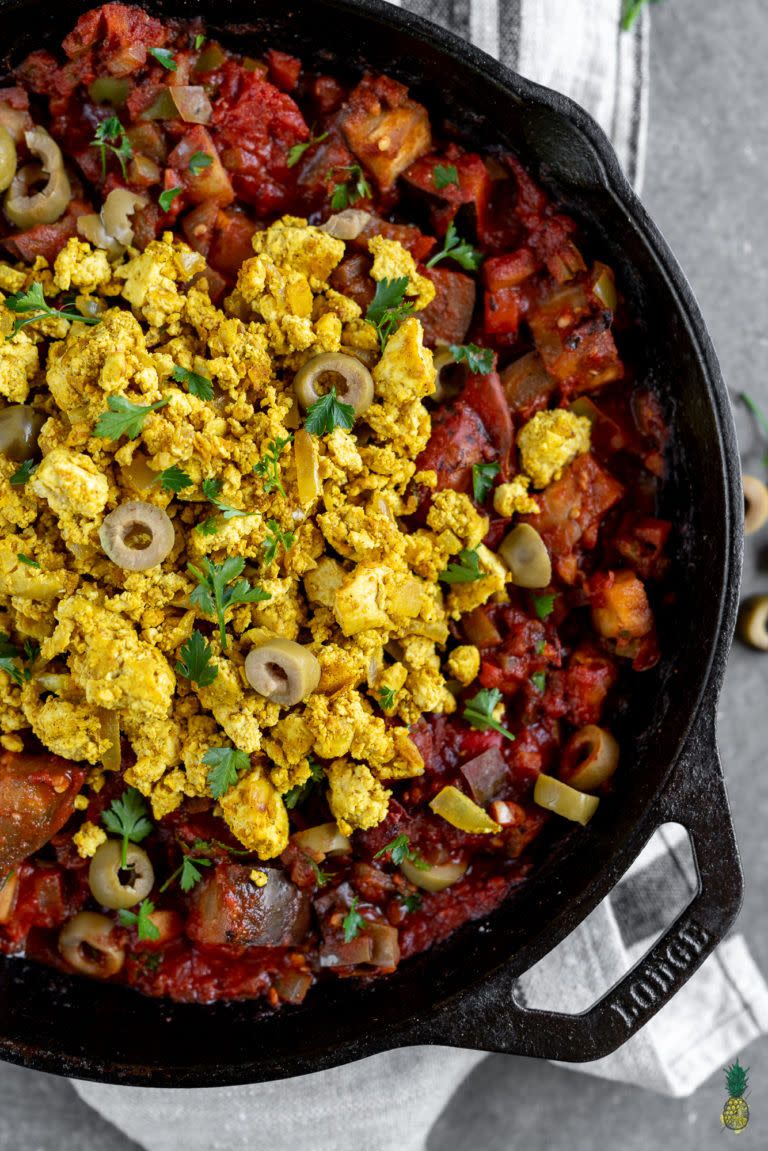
point(103, 1031)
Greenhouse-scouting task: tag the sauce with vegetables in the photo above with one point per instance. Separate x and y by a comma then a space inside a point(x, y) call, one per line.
point(328, 536)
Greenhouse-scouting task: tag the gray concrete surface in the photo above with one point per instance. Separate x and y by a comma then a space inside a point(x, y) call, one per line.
point(708, 159)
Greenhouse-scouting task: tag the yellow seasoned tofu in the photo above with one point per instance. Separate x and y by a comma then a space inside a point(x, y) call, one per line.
point(391, 261)
point(549, 442)
point(355, 796)
point(72, 484)
point(513, 497)
point(255, 813)
point(19, 364)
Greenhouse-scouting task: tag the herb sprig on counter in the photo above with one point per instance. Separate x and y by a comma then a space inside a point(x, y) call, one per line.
point(630, 11)
point(219, 589)
point(32, 305)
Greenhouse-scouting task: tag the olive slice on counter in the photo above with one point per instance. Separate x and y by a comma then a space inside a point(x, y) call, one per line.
point(89, 946)
point(755, 504)
point(20, 426)
point(115, 886)
point(353, 381)
point(137, 536)
point(282, 670)
point(753, 622)
point(525, 554)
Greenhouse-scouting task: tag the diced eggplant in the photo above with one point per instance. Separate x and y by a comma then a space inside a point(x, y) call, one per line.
point(229, 909)
point(37, 794)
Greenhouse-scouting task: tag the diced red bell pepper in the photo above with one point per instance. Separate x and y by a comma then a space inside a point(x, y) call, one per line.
point(284, 70)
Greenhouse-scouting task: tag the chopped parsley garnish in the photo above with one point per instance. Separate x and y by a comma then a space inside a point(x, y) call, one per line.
point(478, 712)
point(299, 793)
point(541, 646)
point(630, 11)
point(195, 662)
point(482, 480)
point(543, 605)
point(389, 307)
point(225, 763)
point(211, 489)
point(32, 305)
point(297, 151)
point(124, 418)
point(110, 136)
point(198, 162)
point(188, 873)
point(454, 248)
point(141, 920)
point(199, 41)
point(411, 901)
point(24, 559)
point(355, 188)
point(164, 56)
point(173, 479)
point(321, 877)
point(216, 592)
point(23, 473)
point(268, 466)
point(10, 661)
point(445, 174)
point(166, 198)
point(353, 921)
point(275, 537)
point(127, 817)
point(327, 413)
point(387, 697)
point(399, 850)
point(539, 680)
point(478, 360)
point(195, 384)
point(467, 570)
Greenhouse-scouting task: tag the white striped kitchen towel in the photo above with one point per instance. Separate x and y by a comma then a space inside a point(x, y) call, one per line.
point(390, 1101)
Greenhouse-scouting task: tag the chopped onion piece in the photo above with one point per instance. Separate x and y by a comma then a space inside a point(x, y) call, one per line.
point(480, 629)
point(292, 986)
point(325, 839)
point(435, 878)
point(350, 954)
point(386, 945)
point(307, 467)
point(193, 104)
point(485, 774)
point(110, 729)
point(460, 811)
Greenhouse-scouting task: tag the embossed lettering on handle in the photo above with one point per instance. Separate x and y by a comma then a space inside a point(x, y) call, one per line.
point(655, 978)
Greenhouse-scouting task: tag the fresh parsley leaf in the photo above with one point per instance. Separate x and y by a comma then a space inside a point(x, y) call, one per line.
point(195, 662)
point(275, 537)
point(164, 56)
point(33, 306)
point(478, 360)
point(150, 960)
point(387, 697)
point(467, 570)
point(10, 661)
point(188, 873)
point(354, 188)
point(321, 877)
point(454, 248)
point(173, 479)
point(297, 151)
point(478, 712)
point(23, 473)
point(216, 591)
point(195, 384)
point(299, 793)
point(166, 198)
point(444, 174)
point(541, 646)
point(24, 559)
point(31, 650)
point(141, 920)
point(328, 413)
point(199, 41)
point(411, 901)
point(539, 680)
point(225, 763)
point(127, 817)
point(353, 921)
point(211, 489)
point(389, 307)
point(110, 136)
point(630, 11)
point(399, 850)
point(482, 480)
point(124, 418)
point(198, 162)
point(268, 466)
point(543, 605)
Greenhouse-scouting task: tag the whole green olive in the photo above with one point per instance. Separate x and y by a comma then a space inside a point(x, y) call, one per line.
point(115, 886)
point(7, 158)
point(20, 426)
point(353, 381)
point(88, 945)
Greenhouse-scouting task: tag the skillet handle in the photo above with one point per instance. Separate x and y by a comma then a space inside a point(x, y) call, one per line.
point(491, 1019)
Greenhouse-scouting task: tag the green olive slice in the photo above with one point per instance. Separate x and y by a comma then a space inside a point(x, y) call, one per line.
point(351, 378)
point(755, 504)
point(7, 158)
point(753, 622)
point(89, 946)
point(525, 554)
point(434, 878)
point(137, 536)
point(115, 886)
point(554, 795)
point(590, 757)
point(446, 384)
point(282, 670)
point(26, 208)
point(20, 426)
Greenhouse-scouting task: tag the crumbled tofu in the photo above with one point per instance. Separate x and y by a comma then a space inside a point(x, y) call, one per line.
point(356, 798)
point(260, 878)
point(255, 813)
point(464, 663)
point(88, 839)
point(391, 261)
point(549, 442)
point(512, 497)
point(78, 265)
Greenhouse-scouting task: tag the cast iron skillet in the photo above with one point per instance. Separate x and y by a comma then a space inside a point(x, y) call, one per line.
point(461, 994)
